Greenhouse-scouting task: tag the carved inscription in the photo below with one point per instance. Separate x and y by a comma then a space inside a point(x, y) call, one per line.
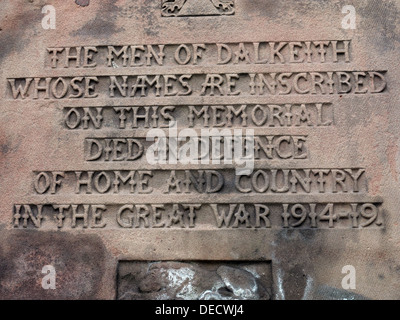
point(200, 116)
point(196, 215)
point(136, 56)
point(199, 85)
point(131, 149)
point(165, 124)
point(260, 181)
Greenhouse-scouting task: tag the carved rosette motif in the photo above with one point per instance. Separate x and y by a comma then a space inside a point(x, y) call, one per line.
point(224, 6)
point(171, 8)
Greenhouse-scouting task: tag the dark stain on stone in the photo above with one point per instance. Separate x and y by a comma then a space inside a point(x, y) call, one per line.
point(79, 261)
point(150, 27)
point(261, 7)
point(276, 10)
point(296, 260)
point(4, 148)
point(297, 280)
point(13, 38)
point(307, 235)
point(380, 19)
point(329, 293)
point(82, 3)
point(102, 26)
point(97, 27)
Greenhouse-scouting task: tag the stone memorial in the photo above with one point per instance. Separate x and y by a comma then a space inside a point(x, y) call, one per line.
point(199, 149)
